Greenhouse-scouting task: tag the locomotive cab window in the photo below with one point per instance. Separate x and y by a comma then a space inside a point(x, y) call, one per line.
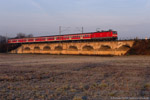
point(114, 32)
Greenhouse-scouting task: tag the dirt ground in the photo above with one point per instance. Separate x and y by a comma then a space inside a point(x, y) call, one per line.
point(67, 77)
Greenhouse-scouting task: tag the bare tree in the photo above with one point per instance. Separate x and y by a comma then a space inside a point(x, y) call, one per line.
point(30, 35)
point(22, 35)
point(2, 39)
point(3, 44)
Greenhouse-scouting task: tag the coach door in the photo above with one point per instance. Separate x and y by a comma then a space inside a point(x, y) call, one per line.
point(81, 36)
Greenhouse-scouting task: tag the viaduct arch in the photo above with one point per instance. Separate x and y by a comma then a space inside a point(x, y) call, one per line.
point(58, 48)
point(87, 48)
point(47, 48)
point(124, 47)
point(27, 49)
point(104, 47)
point(73, 48)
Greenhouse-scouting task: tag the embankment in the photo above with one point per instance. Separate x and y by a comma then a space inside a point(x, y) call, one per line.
point(140, 47)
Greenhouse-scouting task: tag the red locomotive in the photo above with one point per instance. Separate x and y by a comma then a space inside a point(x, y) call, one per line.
point(103, 35)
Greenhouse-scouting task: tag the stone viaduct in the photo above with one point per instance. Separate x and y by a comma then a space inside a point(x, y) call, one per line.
point(77, 48)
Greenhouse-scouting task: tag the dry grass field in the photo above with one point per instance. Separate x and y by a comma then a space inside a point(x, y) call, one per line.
point(66, 77)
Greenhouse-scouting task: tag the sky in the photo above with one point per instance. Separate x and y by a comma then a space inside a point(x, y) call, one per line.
point(131, 18)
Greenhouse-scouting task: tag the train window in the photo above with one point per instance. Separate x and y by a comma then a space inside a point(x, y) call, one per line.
point(58, 38)
point(37, 39)
point(50, 38)
point(30, 40)
point(14, 41)
point(43, 39)
point(114, 32)
point(24, 40)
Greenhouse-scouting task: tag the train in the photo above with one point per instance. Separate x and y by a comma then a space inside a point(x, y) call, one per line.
point(91, 36)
